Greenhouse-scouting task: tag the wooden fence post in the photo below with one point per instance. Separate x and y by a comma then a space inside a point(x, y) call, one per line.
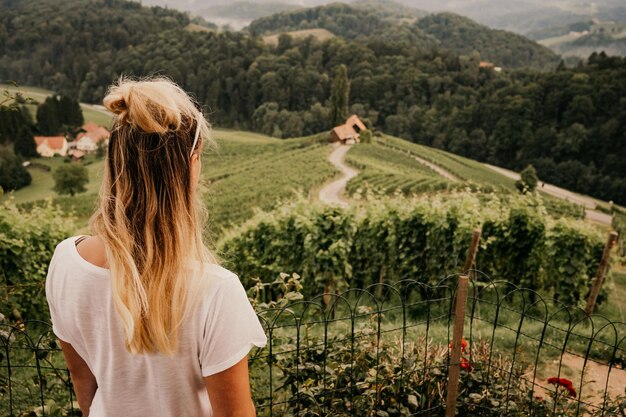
point(471, 251)
point(454, 370)
point(604, 264)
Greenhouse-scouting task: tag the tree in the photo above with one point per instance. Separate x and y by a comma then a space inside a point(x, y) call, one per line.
point(71, 113)
point(366, 136)
point(57, 114)
point(13, 175)
point(339, 96)
point(48, 120)
point(101, 150)
point(24, 142)
point(528, 180)
point(70, 179)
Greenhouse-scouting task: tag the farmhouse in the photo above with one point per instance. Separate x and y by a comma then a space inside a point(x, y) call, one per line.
point(489, 65)
point(48, 146)
point(88, 140)
point(348, 131)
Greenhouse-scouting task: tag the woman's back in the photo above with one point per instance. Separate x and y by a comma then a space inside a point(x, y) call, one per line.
point(218, 336)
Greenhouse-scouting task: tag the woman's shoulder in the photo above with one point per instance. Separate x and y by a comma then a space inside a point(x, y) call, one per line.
point(86, 256)
point(216, 273)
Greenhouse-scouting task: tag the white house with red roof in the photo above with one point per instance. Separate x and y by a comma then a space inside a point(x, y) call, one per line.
point(93, 134)
point(48, 146)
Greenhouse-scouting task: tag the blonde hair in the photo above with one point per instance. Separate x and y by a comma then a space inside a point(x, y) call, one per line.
point(149, 216)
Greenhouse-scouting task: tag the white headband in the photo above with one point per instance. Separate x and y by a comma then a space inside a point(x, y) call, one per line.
point(195, 139)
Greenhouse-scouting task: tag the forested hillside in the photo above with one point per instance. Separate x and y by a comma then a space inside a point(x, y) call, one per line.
point(366, 21)
point(503, 48)
point(363, 23)
point(569, 123)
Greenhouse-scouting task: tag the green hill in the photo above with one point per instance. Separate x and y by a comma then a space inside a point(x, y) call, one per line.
point(248, 171)
point(350, 22)
point(504, 49)
point(370, 19)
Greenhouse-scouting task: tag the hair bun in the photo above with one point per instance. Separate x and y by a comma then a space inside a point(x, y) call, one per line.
point(116, 106)
point(154, 105)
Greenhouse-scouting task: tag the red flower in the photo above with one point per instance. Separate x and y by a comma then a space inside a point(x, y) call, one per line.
point(464, 345)
point(565, 383)
point(465, 364)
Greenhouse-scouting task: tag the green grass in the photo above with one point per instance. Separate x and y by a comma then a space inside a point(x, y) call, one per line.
point(43, 183)
point(613, 308)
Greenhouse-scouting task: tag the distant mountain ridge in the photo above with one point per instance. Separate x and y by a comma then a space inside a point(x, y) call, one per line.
point(366, 20)
point(529, 18)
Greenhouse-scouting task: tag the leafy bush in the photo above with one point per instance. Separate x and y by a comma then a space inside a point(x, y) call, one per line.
point(424, 239)
point(27, 242)
point(13, 175)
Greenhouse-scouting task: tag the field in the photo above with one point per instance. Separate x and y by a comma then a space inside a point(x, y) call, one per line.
point(463, 168)
point(386, 170)
point(601, 36)
point(319, 34)
point(248, 170)
point(388, 165)
point(244, 171)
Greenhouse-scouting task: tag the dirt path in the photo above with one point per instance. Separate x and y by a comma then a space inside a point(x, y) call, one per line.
point(594, 379)
point(439, 170)
point(332, 193)
point(563, 194)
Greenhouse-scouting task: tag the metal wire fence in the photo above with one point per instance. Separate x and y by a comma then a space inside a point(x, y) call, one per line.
point(389, 350)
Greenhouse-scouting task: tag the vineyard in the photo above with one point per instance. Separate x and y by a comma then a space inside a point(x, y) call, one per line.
point(385, 170)
point(363, 323)
point(466, 169)
point(389, 166)
point(249, 171)
point(242, 172)
point(388, 240)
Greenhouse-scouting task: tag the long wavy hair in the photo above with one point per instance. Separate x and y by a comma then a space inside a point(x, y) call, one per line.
point(149, 216)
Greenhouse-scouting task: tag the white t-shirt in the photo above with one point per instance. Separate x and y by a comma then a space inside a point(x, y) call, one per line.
point(217, 336)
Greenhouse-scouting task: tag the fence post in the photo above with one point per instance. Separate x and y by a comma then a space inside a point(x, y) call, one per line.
point(471, 251)
point(454, 370)
point(604, 264)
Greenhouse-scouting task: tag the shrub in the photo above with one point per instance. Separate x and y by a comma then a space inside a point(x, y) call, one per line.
point(387, 240)
point(70, 179)
point(27, 242)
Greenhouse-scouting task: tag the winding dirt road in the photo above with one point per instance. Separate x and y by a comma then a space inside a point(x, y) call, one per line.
point(563, 194)
point(332, 193)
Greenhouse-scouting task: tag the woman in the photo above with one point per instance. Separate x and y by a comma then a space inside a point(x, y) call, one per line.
point(149, 323)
